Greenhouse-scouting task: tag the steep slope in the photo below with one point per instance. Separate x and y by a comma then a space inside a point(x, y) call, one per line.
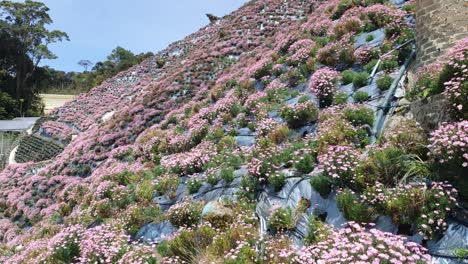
point(255, 124)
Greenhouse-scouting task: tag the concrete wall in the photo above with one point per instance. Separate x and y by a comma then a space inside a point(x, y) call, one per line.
point(439, 24)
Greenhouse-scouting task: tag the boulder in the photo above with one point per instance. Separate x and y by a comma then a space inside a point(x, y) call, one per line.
point(155, 232)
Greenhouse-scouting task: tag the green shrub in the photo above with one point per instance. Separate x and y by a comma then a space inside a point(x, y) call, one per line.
point(193, 185)
point(305, 163)
point(136, 216)
point(359, 116)
point(188, 244)
point(226, 142)
point(186, 213)
point(279, 134)
point(282, 219)
point(227, 174)
point(360, 96)
point(370, 37)
point(353, 209)
point(340, 98)
point(66, 252)
point(369, 67)
point(277, 181)
point(360, 79)
point(387, 165)
point(264, 71)
point(388, 64)
point(461, 253)
point(322, 184)
point(384, 82)
point(167, 184)
point(212, 179)
point(299, 114)
point(347, 76)
point(248, 187)
point(317, 231)
point(145, 191)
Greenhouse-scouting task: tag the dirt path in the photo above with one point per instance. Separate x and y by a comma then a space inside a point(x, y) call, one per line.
point(55, 100)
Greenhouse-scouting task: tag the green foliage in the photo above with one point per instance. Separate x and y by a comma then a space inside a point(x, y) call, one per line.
point(359, 116)
point(264, 71)
point(68, 252)
point(384, 82)
point(322, 184)
point(343, 5)
point(360, 79)
point(282, 219)
point(167, 185)
point(360, 96)
point(388, 64)
point(317, 231)
point(352, 208)
point(370, 38)
point(370, 66)
point(212, 179)
point(277, 181)
point(279, 134)
point(187, 213)
point(299, 116)
point(8, 106)
point(387, 165)
point(347, 76)
point(227, 174)
point(461, 253)
point(340, 98)
point(305, 163)
point(193, 185)
point(248, 187)
point(25, 38)
point(188, 244)
point(137, 216)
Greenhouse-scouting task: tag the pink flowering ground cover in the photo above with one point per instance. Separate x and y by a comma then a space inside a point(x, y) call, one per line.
point(183, 113)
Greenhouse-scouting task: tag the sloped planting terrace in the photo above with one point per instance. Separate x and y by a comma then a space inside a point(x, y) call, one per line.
point(249, 142)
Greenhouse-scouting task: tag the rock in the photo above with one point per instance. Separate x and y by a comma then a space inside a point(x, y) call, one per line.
point(379, 36)
point(245, 131)
point(292, 101)
point(371, 89)
point(455, 237)
point(217, 215)
point(155, 232)
point(384, 223)
point(245, 141)
point(347, 89)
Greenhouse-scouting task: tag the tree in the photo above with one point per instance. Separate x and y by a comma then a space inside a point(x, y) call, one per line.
point(85, 64)
point(26, 24)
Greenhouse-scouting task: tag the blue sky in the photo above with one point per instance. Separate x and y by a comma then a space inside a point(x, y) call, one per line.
point(95, 27)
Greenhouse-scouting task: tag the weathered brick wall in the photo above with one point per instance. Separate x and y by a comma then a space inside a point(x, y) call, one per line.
point(439, 24)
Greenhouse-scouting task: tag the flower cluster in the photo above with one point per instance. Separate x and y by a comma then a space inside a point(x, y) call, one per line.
point(265, 126)
point(300, 50)
point(363, 54)
point(186, 213)
point(340, 163)
point(449, 144)
point(322, 83)
point(190, 161)
point(57, 130)
point(299, 114)
point(354, 244)
point(337, 52)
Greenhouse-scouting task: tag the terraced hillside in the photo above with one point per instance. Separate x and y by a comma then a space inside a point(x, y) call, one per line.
point(257, 139)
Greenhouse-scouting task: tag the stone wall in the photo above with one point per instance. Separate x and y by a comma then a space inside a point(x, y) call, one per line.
point(430, 112)
point(439, 24)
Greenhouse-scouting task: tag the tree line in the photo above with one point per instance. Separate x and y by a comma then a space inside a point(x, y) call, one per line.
point(24, 42)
